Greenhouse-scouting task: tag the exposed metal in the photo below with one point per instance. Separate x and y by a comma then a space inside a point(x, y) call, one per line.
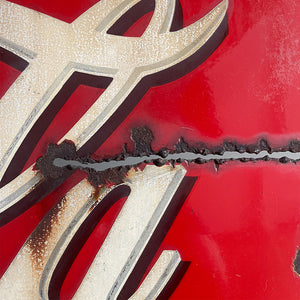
point(186, 156)
point(101, 172)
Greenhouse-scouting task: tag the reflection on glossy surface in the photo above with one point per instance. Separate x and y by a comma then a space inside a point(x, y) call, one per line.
point(239, 226)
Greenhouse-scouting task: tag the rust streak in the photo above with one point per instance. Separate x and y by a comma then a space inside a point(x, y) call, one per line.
point(39, 238)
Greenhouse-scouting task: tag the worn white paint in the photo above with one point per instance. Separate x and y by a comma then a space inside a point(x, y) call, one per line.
point(151, 192)
point(55, 49)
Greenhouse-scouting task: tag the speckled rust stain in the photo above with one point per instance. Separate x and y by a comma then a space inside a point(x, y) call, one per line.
point(40, 236)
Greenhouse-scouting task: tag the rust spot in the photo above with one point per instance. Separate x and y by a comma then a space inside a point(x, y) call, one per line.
point(296, 263)
point(39, 238)
point(44, 164)
point(98, 191)
point(96, 194)
point(142, 138)
point(183, 146)
point(107, 177)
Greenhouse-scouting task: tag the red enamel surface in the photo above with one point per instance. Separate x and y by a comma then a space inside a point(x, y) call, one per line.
point(239, 226)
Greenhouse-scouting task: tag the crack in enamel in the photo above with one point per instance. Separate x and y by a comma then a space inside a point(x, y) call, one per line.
point(63, 158)
point(282, 157)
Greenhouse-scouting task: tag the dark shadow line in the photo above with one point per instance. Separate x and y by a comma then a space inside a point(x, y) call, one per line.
point(131, 16)
point(174, 281)
point(157, 238)
point(13, 60)
point(119, 116)
point(177, 22)
point(80, 238)
point(38, 129)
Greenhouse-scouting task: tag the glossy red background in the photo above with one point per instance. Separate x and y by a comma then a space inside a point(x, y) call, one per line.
point(239, 226)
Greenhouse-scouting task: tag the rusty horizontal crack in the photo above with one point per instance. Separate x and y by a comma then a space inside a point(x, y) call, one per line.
point(175, 157)
point(63, 158)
